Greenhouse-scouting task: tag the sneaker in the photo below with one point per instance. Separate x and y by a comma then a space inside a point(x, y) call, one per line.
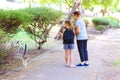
point(72, 66)
point(80, 64)
point(85, 64)
point(67, 65)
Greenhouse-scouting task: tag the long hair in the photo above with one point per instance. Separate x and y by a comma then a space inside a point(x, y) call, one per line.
point(70, 24)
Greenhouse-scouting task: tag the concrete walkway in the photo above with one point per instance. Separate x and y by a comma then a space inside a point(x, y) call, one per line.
point(51, 65)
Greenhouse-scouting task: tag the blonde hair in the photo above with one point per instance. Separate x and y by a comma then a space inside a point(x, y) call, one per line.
point(70, 24)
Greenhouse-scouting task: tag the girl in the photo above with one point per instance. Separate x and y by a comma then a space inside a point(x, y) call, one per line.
point(68, 41)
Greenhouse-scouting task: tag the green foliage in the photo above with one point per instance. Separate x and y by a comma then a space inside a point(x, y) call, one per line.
point(88, 3)
point(3, 37)
point(10, 20)
point(106, 21)
point(100, 27)
point(49, 1)
point(114, 23)
point(43, 14)
point(101, 21)
point(69, 2)
point(37, 22)
point(24, 39)
point(105, 4)
point(117, 63)
point(44, 19)
point(3, 53)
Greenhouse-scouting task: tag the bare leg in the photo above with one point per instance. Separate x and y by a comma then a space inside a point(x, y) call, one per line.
point(66, 56)
point(71, 57)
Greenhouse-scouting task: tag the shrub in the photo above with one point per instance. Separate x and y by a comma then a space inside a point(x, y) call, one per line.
point(10, 20)
point(106, 21)
point(101, 21)
point(114, 23)
point(37, 22)
point(100, 27)
point(3, 37)
point(3, 52)
point(44, 19)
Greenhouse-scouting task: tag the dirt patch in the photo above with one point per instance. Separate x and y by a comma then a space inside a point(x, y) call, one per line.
point(111, 54)
point(110, 71)
point(11, 63)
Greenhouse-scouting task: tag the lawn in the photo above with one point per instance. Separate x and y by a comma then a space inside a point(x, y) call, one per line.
point(117, 63)
point(24, 38)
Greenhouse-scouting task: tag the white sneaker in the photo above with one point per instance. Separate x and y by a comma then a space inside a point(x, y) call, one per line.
point(72, 66)
point(67, 65)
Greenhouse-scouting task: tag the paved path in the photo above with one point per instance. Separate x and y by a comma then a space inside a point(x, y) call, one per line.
point(50, 65)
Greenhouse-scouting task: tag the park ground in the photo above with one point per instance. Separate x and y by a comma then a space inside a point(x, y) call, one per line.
point(104, 60)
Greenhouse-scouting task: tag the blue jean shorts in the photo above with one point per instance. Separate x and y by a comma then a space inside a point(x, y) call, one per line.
point(68, 46)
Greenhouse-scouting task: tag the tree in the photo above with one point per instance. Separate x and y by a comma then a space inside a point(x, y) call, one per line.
point(75, 6)
point(51, 2)
point(29, 2)
point(11, 20)
point(43, 2)
point(44, 19)
point(105, 4)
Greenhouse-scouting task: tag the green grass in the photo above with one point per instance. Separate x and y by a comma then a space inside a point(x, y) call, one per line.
point(117, 63)
point(51, 42)
point(25, 39)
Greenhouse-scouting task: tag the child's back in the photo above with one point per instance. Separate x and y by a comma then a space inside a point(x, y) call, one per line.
point(68, 36)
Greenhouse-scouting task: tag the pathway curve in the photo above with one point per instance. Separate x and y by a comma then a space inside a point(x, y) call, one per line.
point(50, 65)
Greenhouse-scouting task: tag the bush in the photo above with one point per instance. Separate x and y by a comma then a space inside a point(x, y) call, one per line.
point(106, 21)
point(100, 27)
point(44, 19)
point(3, 37)
point(114, 23)
point(100, 21)
point(10, 20)
point(37, 22)
point(3, 51)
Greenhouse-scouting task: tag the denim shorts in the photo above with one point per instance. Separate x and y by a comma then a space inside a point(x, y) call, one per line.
point(68, 46)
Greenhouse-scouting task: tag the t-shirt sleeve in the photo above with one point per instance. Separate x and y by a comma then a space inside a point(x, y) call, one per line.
point(77, 24)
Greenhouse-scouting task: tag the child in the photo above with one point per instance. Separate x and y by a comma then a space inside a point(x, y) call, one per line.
point(68, 41)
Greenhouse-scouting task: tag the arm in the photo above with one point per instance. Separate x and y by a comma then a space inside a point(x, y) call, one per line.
point(61, 33)
point(77, 30)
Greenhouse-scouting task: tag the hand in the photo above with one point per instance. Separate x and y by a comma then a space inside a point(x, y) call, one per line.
point(76, 33)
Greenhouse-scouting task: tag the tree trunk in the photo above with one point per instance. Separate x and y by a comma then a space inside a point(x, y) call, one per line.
point(30, 2)
point(70, 14)
point(39, 47)
point(76, 4)
point(103, 12)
